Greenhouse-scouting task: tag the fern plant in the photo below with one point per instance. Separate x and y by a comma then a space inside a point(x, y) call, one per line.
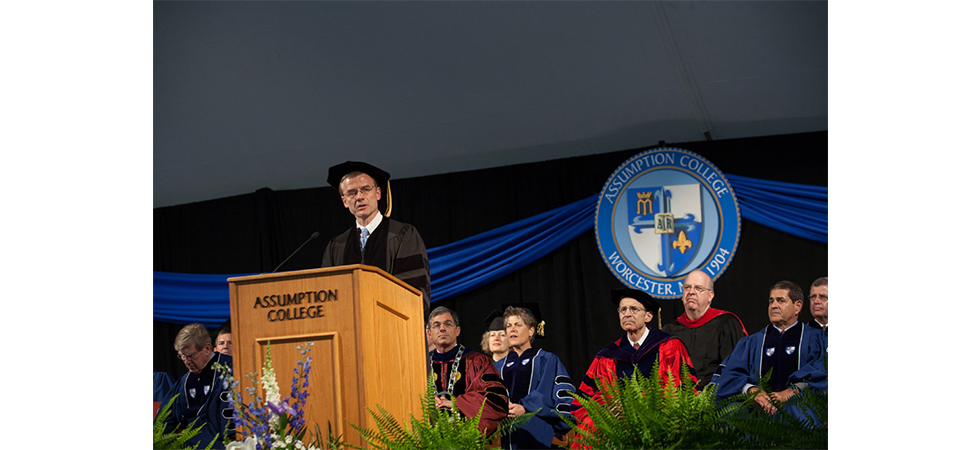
point(799, 423)
point(438, 428)
point(644, 412)
point(176, 439)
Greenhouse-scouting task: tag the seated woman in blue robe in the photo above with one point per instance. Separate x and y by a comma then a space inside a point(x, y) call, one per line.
point(536, 381)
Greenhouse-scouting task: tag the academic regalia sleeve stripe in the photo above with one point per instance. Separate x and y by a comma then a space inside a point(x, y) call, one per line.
point(499, 390)
point(407, 263)
point(491, 378)
point(416, 282)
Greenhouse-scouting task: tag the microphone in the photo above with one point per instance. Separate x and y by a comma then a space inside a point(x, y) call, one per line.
point(312, 237)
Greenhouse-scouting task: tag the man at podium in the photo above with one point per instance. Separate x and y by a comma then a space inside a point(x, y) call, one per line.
point(463, 374)
point(376, 240)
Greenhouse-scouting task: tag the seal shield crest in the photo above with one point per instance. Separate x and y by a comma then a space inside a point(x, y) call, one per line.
point(662, 214)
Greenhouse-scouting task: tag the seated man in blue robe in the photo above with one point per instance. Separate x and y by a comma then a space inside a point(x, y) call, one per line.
point(202, 398)
point(792, 351)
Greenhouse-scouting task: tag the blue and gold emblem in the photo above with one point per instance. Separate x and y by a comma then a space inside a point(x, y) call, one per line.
point(662, 214)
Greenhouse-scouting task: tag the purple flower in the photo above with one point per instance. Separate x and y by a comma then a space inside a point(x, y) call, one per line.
point(280, 408)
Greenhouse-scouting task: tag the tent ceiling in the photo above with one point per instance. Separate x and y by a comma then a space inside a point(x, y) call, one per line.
point(270, 94)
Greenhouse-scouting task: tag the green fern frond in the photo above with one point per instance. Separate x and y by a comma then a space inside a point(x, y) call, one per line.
point(176, 439)
point(644, 412)
point(801, 422)
point(438, 428)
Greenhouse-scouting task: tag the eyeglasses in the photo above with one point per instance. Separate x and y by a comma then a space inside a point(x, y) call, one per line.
point(438, 325)
point(698, 289)
point(352, 194)
point(629, 310)
point(186, 357)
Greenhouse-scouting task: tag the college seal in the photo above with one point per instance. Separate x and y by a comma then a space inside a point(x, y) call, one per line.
point(662, 214)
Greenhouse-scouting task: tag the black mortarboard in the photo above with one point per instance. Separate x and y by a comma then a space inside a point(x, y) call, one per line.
point(336, 173)
point(495, 321)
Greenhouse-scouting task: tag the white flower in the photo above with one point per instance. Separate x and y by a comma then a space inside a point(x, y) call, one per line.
point(270, 386)
point(248, 444)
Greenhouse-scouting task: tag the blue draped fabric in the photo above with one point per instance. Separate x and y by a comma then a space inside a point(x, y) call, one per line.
point(472, 262)
point(796, 209)
point(468, 264)
point(185, 298)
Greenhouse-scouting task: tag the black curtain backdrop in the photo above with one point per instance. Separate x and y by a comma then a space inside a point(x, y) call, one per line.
point(255, 232)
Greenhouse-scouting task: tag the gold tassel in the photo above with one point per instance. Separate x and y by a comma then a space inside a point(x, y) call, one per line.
point(540, 328)
point(388, 206)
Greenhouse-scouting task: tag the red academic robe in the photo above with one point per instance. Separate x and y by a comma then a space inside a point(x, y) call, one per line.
point(617, 360)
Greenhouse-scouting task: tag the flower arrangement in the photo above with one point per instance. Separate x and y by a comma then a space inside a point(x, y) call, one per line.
point(270, 422)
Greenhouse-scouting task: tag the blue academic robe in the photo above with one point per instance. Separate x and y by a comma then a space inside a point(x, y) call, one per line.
point(747, 360)
point(538, 381)
point(214, 414)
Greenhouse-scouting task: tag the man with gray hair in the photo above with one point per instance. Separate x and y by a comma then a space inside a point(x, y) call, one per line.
point(200, 392)
point(709, 334)
point(463, 375)
point(818, 303)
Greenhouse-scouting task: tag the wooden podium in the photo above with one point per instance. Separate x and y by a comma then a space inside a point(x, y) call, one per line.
point(368, 333)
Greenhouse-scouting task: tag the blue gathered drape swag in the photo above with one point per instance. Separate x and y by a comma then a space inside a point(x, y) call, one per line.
point(462, 266)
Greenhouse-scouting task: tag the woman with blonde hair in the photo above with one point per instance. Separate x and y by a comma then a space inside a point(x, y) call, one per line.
point(494, 342)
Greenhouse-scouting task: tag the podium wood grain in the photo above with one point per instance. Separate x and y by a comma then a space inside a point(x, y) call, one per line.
point(369, 342)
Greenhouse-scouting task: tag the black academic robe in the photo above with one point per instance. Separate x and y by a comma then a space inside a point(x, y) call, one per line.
point(708, 343)
point(394, 247)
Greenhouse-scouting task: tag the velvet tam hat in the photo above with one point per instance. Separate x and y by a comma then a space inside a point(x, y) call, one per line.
point(645, 299)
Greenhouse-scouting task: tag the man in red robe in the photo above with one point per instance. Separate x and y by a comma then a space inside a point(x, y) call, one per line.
point(464, 375)
point(640, 348)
